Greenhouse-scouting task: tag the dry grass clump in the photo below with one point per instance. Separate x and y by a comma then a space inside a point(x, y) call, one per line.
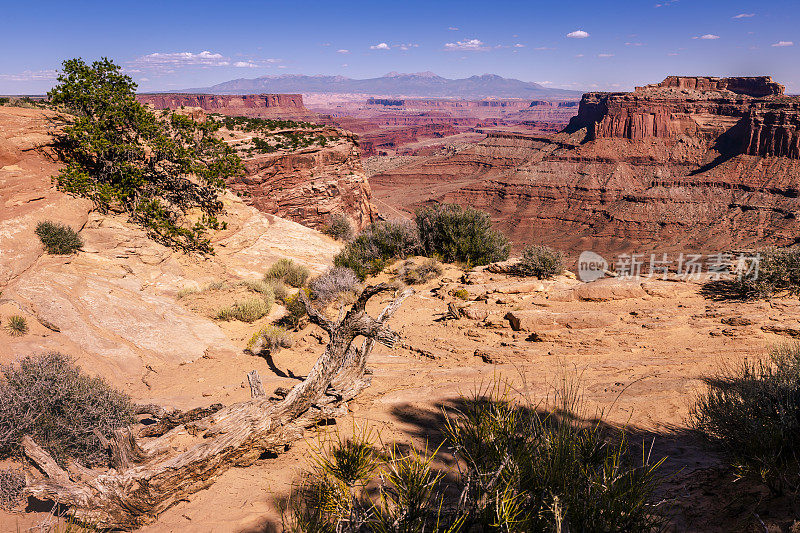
point(461, 294)
point(518, 469)
point(51, 399)
point(279, 289)
point(248, 310)
point(17, 326)
point(541, 262)
point(289, 272)
point(270, 339)
point(412, 273)
point(335, 282)
point(12, 481)
point(751, 412)
point(58, 239)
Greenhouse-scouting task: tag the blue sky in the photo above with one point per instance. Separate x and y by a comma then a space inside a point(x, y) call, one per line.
point(574, 44)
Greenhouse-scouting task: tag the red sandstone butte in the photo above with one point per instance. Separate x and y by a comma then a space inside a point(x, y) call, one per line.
point(690, 164)
point(285, 106)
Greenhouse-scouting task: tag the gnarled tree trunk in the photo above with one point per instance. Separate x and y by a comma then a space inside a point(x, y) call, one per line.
point(149, 476)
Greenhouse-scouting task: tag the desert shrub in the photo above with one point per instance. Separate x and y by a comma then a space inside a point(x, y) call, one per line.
point(12, 481)
point(412, 273)
point(778, 270)
point(58, 239)
point(270, 338)
point(17, 326)
point(541, 262)
point(248, 310)
point(4, 100)
point(751, 412)
point(334, 282)
point(264, 288)
point(279, 289)
point(51, 399)
point(460, 234)
point(519, 470)
point(160, 170)
point(295, 310)
point(289, 272)
point(339, 227)
point(461, 294)
point(370, 251)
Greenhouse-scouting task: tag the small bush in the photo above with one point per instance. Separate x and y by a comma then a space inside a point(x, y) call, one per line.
point(369, 252)
point(461, 294)
point(778, 270)
point(412, 273)
point(541, 262)
point(12, 481)
point(270, 338)
point(17, 326)
point(752, 413)
point(246, 310)
point(340, 228)
point(289, 272)
point(295, 310)
point(279, 289)
point(51, 399)
point(262, 287)
point(460, 234)
point(58, 239)
point(334, 282)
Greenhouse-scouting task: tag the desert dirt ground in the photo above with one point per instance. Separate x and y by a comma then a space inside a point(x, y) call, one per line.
point(638, 351)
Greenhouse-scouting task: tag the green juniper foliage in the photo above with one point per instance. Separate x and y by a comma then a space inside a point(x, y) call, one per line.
point(160, 170)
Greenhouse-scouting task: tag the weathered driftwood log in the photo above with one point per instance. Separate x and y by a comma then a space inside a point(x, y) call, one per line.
point(150, 476)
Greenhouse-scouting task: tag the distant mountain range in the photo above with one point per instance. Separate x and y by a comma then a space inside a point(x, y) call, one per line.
point(420, 84)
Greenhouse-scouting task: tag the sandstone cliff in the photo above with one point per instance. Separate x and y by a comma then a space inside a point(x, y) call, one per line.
point(285, 106)
point(667, 167)
point(114, 305)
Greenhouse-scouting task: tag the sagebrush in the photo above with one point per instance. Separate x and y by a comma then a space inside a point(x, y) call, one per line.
point(540, 261)
point(12, 481)
point(372, 249)
point(49, 398)
point(335, 282)
point(57, 238)
point(339, 227)
point(248, 310)
point(457, 234)
point(270, 338)
point(777, 269)
point(413, 273)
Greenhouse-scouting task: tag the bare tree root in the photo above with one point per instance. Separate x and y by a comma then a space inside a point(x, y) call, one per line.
point(148, 477)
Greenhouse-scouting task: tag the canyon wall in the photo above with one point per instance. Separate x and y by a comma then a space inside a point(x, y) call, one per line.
point(668, 167)
point(309, 185)
point(285, 106)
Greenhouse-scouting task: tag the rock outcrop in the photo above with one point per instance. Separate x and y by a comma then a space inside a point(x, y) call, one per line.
point(285, 106)
point(668, 167)
point(114, 305)
point(308, 185)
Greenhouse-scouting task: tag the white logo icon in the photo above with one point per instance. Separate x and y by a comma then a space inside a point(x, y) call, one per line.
point(591, 266)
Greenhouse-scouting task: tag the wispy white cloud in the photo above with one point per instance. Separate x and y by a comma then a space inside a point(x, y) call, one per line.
point(544, 48)
point(634, 44)
point(342, 51)
point(744, 15)
point(667, 3)
point(180, 59)
point(707, 37)
point(605, 55)
point(781, 44)
point(452, 28)
point(380, 46)
point(577, 34)
point(30, 75)
point(469, 45)
point(245, 64)
point(407, 46)
point(519, 45)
